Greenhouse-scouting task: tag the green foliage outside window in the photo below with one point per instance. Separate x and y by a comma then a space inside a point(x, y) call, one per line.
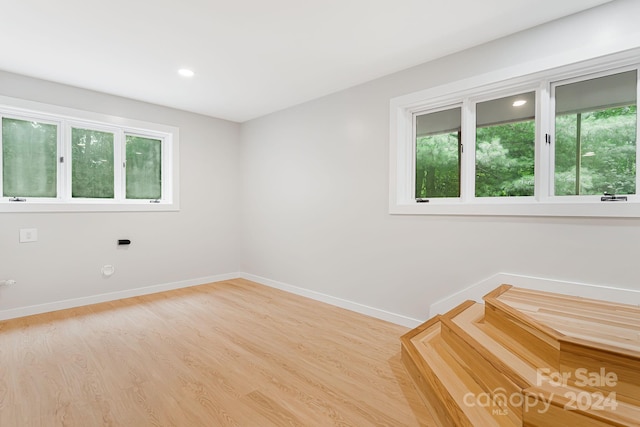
point(437, 166)
point(604, 160)
point(29, 158)
point(92, 163)
point(505, 158)
point(144, 173)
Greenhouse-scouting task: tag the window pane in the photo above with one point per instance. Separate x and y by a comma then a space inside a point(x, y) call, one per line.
point(29, 158)
point(438, 154)
point(505, 146)
point(92, 164)
point(595, 137)
point(144, 174)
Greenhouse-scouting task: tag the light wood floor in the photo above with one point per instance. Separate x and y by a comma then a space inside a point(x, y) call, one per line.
point(232, 353)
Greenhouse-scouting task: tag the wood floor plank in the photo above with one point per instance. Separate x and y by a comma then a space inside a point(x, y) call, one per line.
point(231, 353)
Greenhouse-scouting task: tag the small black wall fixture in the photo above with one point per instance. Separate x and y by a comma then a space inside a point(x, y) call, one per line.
point(124, 242)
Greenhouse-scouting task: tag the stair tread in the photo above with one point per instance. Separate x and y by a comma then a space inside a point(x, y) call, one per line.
point(622, 320)
point(457, 381)
point(593, 331)
point(605, 323)
point(571, 302)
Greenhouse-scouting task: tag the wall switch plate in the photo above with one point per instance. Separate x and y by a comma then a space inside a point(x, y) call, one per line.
point(28, 235)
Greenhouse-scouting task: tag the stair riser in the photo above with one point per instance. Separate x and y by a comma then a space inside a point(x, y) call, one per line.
point(546, 416)
point(429, 385)
point(489, 376)
point(427, 391)
point(611, 373)
point(524, 335)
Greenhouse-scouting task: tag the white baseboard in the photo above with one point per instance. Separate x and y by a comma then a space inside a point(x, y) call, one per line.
point(474, 292)
point(338, 302)
point(480, 289)
point(129, 293)
point(111, 296)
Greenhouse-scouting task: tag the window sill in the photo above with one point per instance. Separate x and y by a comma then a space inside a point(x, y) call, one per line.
point(525, 208)
point(35, 207)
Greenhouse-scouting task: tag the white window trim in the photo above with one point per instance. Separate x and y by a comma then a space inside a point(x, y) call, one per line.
point(66, 118)
point(491, 86)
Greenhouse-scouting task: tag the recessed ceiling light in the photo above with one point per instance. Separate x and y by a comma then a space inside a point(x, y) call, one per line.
point(519, 103)
point(185, 72)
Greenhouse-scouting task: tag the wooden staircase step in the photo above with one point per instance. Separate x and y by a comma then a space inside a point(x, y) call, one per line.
point(582, 361)
point(555, 299)
point(471, 327)
point(524, 352)
point(548, 405)
point(593, 330)
point(496, 379)
point(571, 345)
point(583, 313)
point(603, 322)
point(524, 330)
point(447, 385)
point(521, 359)
point(499, 369)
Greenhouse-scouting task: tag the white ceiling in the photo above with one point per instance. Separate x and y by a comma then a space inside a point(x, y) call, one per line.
point(251, 57)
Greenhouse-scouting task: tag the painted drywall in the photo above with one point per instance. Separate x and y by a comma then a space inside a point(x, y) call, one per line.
point(197, 242)
point(314, 191)
point(312, 212)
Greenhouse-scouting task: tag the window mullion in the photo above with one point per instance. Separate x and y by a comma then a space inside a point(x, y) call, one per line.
point(468, 167)
point(544, 155)
point(62, 160)
point(119, 169)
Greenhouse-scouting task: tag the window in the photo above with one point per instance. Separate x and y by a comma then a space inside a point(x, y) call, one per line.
point(29, 153)
point(438, 147)
point(144, 166)
point(505, 146)
point(558, 142)
point(52, 161)
point(92, 157)
point(595, 136)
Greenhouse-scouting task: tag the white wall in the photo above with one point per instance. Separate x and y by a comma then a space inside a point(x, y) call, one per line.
point(315, 191)
point(199, 241)
point(313, 211)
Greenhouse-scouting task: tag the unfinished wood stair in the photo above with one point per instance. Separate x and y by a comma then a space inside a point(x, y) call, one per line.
point(529, 358)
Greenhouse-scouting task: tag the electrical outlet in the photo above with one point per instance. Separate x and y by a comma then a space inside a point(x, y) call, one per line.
point(28, 235)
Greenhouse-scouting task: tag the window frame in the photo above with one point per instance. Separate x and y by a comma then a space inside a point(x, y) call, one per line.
point(414, 156)
point(33, 117)
point(488, 87)
point(66, 119)
point(552, 131)
point(68, 155)
point(163, 168)
point(471, 141)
